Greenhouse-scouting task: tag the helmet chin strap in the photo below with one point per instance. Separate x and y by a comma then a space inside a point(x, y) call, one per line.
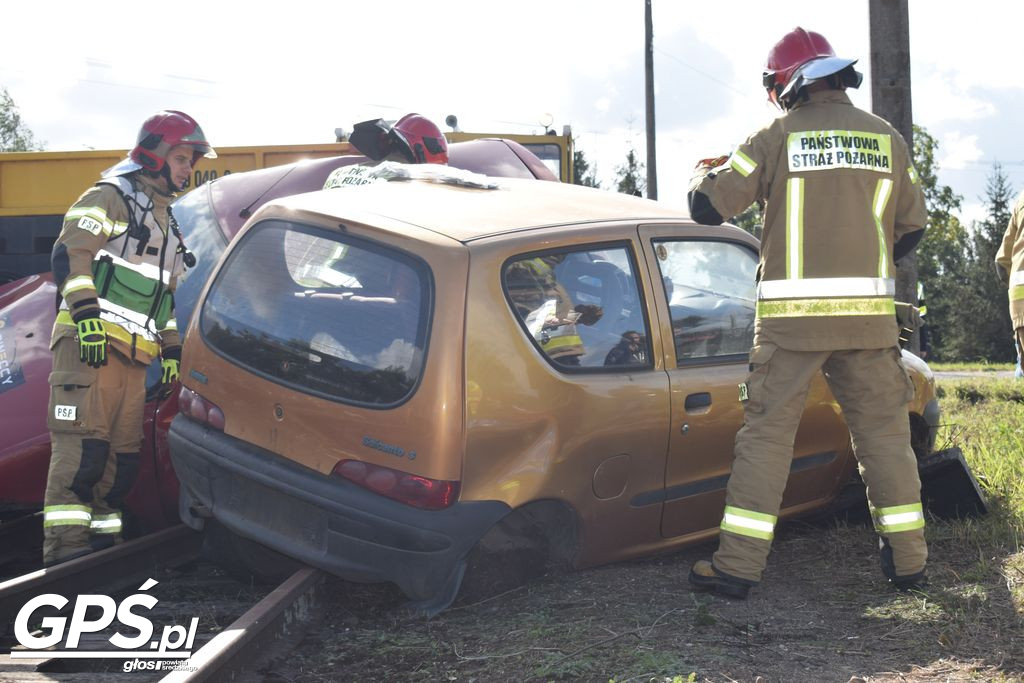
point(165, 172)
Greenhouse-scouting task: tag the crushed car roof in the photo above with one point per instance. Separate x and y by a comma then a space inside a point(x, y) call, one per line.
point(464, 212)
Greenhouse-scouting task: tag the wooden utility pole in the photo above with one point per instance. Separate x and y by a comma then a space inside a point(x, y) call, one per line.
point(890, 99)
point(652, 164)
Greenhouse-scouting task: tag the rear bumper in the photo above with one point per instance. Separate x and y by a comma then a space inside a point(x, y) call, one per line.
point(327, 522)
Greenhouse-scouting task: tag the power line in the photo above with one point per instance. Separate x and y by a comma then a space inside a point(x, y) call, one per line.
point(702, 73)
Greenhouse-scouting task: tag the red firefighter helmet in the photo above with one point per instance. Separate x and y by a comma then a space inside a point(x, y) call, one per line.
point(799, 59)
point(157, 136)
point(416, 139)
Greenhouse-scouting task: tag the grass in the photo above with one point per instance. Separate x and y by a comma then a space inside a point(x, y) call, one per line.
point(969, 367)
point(822, 614)
point(986, 419)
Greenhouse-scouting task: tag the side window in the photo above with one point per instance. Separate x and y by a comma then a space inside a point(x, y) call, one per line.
point(581, 308)
point(710, 288)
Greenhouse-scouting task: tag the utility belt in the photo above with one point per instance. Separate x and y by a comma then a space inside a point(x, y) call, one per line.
point(132, 290)
point(115, 331)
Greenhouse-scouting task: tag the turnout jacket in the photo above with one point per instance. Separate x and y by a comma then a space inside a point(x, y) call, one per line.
point(116, 257)
point(1010, 258)
point(838, 189)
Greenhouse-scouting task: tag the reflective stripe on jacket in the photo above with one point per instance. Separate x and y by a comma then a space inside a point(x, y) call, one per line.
point(838, 189)
point(122, 266)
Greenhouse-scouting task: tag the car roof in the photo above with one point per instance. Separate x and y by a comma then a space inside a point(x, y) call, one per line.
point(466, 214)
point(236, 196)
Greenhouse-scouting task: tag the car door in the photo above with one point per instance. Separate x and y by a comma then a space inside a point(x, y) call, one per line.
point(706, 310)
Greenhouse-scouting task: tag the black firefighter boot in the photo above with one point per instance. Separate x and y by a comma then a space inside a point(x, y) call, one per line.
point(907, 582)
point(705, 576)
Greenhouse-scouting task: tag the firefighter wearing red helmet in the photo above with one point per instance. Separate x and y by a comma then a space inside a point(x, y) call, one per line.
point(841, 203)
point(115, 264)
point(413, 139)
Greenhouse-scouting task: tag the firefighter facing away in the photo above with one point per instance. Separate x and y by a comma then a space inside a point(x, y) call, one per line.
point(116, 264)
point(1010, 262)
point(841, 203)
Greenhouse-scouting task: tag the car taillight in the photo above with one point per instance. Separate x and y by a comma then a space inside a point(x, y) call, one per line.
point(199, 409)
point(411, 489)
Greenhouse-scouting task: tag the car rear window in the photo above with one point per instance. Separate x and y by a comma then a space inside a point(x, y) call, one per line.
point(322, 312)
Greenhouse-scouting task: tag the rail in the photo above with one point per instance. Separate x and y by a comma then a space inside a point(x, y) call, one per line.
point(122, 566)
point(282, 615)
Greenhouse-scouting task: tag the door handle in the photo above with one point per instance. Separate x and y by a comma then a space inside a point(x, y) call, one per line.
point(695, 402)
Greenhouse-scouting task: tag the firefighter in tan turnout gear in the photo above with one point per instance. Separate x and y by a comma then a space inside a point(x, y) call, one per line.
point(116, 264)
point(1010, 259)
point(841, 202)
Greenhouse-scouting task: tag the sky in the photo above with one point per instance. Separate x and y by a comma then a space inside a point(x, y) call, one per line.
point(85, 75)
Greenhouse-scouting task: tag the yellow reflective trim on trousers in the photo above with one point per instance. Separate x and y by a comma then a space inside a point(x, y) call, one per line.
point(794, 228)
point(106, 524)
point(66, 515)
point(748, 523)
point(883, 190)
point(1017, 293)
point(742, 164)
point(899, 518)
point(115, 331)
point(799, 308)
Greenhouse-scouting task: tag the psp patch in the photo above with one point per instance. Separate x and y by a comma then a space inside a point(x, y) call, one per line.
point(90, 225)
point(65, 412)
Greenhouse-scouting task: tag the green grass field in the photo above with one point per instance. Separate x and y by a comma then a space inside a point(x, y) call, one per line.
point(986, 419)
point(969, 367)
point(984, 557)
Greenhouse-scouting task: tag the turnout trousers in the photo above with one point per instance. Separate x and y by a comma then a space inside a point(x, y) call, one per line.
point(873, 389)
point(95, 422)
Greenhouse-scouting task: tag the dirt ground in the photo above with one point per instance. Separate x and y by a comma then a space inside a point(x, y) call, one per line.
point(822, 613)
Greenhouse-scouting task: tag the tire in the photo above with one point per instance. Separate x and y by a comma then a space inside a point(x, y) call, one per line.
point(245, 560)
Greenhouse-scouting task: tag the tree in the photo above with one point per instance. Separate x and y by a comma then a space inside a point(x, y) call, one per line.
point(630, 176)
point(750, 220)
point(943, 254)
point(580, 167)
point(15, 136)
point(987, 314)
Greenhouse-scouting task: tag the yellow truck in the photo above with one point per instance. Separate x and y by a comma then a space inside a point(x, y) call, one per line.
point(36, 188)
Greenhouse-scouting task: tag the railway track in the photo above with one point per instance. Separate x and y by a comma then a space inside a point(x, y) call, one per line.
point(21, 542)
point(202, 624)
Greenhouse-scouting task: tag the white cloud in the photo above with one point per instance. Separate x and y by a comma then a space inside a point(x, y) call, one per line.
point(294, 76)
point(958, 150)
point(942, 96)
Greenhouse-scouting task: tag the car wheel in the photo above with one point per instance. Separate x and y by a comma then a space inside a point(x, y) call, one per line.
point(245, 560)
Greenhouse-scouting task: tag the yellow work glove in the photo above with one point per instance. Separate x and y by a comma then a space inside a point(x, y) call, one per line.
point(92, 342)
point(170, 363)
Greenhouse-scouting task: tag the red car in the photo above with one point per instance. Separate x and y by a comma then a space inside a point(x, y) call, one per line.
point(209, 217)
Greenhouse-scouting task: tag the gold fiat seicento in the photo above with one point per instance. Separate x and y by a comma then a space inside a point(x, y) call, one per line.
point(387, 380)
